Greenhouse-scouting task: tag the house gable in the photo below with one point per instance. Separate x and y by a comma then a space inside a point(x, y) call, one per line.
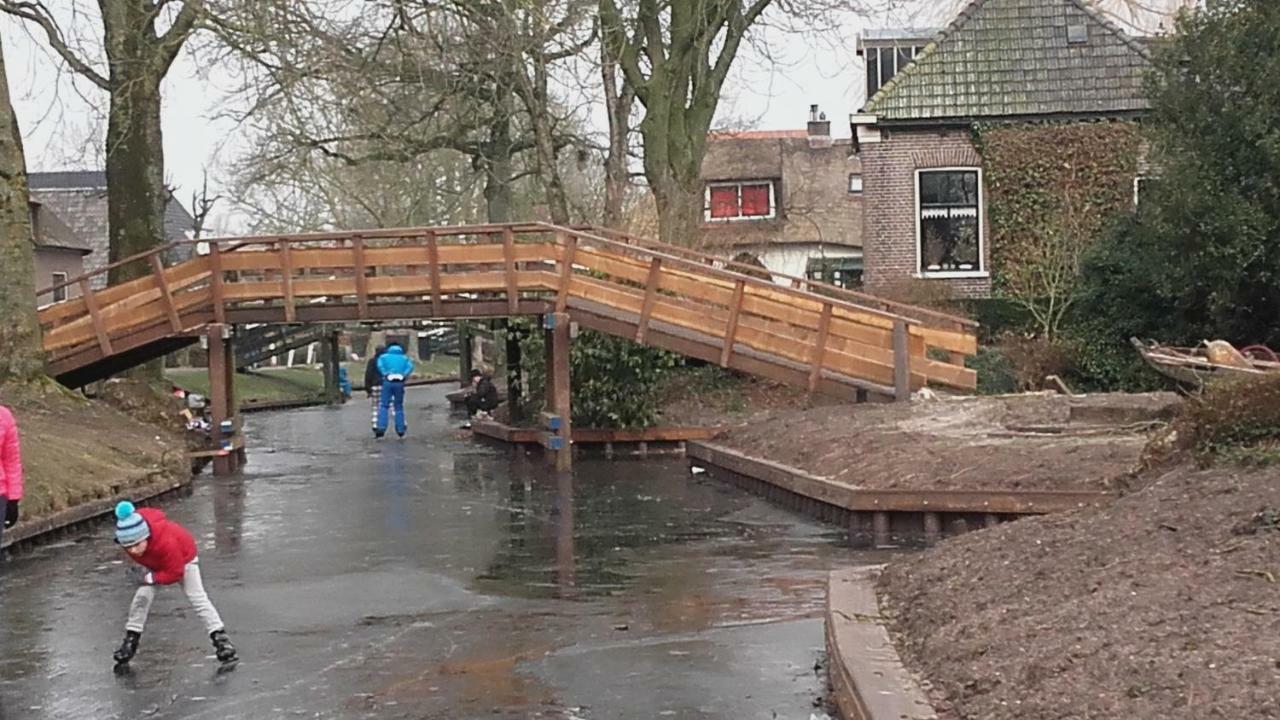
point(1028, 58)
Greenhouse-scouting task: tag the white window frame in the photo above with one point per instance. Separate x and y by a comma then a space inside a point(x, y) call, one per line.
point(1137, 182)
point(706, 199)
point(981, 272)
point(861, 186)
point(58, 278)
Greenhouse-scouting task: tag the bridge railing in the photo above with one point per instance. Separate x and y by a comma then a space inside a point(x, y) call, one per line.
point(498, 270)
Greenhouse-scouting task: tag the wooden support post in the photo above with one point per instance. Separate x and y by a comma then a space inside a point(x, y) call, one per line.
point(901, 361)
point(932, 528)
point(362, 284)
point(95, 315)
point(465, 340)
point(557, 380)
point(509, 262)
point(569, 248)
point(166, 294)
point(880, 529)
point(731, 329)
point(331, 358)
point(651, 284)
point(433, 261)
point(221, 392)
point(215, 283)
point(515, 373)
point(286, 280)
point(820, 348)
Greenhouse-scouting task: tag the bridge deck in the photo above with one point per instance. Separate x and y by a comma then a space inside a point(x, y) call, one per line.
point(814, 335)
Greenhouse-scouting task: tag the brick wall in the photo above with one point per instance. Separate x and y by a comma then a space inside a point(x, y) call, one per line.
point(889, 222)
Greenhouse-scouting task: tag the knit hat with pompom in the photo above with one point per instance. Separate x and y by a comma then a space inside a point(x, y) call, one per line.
point(131, 528)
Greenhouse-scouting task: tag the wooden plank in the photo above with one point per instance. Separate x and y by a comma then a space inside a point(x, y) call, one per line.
point(166, 295)
point(286, 282)
point(731, 327)
point(91, 302)
point(433, 260)
point(820, 348)
point(358, 268)
point(216, 284)
point(509, 265)
point(651, 283)
point(568, 257)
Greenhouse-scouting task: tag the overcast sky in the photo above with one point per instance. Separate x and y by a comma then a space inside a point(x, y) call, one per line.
point(772, 90)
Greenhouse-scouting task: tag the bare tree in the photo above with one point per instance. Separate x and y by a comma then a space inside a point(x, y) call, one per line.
point(21, 358)
point(137, 55)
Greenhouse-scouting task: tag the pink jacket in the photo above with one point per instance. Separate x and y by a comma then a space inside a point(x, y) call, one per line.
point(10, 457)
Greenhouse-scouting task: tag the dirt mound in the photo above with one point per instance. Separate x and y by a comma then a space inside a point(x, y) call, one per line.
point(76, 450)
point(1028, 442)
point(1164, 605)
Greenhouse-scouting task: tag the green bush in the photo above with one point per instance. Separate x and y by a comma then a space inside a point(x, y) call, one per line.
point(996, 374)
point(615, 382)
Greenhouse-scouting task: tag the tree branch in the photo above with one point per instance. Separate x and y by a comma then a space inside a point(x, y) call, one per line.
point(37, 13)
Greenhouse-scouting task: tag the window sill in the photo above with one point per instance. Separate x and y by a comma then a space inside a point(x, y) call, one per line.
point(954, 275)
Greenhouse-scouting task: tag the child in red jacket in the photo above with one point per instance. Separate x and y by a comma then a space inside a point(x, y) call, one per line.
point(168, 552)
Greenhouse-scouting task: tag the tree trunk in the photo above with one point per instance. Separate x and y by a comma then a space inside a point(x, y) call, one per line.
point(618, 103)
point(679, 212)
point(497, 164)
point(21, 357)
point(544, 141)
point(136, 195)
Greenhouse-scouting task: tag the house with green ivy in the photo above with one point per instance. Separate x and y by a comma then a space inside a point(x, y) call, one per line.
point(1014, 127)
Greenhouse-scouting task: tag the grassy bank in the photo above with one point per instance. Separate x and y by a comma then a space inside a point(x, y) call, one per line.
point(76, 450)
point(293, 384)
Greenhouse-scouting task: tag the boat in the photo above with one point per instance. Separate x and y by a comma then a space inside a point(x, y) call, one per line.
point(1209, 362)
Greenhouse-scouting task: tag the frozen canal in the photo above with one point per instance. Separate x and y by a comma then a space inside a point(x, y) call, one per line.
point(436, 578)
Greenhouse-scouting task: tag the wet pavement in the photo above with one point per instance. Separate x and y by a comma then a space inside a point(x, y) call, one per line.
point(437, 578)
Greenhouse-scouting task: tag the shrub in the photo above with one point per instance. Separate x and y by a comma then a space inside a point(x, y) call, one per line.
point(1032, 359)
point(995, 373)
point(1232, 420)
point(615, 382)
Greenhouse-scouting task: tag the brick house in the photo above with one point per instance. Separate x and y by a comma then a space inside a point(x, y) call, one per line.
point(999, 60)
point(59, 253)
point(79, 198)
point(789, 200)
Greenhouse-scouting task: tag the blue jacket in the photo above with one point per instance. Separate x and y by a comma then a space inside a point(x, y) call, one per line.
point(394, 364)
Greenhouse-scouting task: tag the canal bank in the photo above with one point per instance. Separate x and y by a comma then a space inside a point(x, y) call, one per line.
point(435, 578)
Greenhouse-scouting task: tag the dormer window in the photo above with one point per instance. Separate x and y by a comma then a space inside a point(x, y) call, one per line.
point(740, 200)
point(885, 62)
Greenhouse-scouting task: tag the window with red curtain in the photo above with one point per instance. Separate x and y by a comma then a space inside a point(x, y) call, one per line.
point(724, 201)
point(755, 200)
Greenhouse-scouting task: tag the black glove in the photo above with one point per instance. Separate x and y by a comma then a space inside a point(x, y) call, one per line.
point(11, 513)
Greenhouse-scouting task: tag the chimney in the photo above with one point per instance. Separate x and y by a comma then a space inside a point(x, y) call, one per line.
point(819, 128)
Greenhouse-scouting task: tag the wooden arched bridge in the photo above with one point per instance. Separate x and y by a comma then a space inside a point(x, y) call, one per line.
point(816, 336)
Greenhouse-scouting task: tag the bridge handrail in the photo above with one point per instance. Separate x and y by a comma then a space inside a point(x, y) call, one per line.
point(660, 252)
point(943, 318)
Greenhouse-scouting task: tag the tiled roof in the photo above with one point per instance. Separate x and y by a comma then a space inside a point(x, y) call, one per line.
point(68, 180)
point(1012, 58)
point(79, 198)
point(757, 134)
point(49, 231)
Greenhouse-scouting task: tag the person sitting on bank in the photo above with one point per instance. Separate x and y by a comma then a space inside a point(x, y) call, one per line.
point(483, 398)
point(395, 368)
point(373, 385)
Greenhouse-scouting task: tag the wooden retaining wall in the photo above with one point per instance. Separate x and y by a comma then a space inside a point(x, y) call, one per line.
point(883, 518)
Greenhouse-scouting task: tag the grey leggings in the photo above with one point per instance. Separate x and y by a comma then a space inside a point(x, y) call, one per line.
point(194, 589)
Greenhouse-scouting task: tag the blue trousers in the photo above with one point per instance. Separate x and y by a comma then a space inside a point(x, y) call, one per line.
point(392, 392)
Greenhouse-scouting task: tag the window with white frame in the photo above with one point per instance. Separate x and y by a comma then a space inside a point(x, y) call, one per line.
point(855, 183)
point(949, 221)
point(59, 294)
point(1142, 187)
point(745, 200)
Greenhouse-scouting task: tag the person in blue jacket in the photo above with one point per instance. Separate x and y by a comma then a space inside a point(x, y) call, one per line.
point(395, 367)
